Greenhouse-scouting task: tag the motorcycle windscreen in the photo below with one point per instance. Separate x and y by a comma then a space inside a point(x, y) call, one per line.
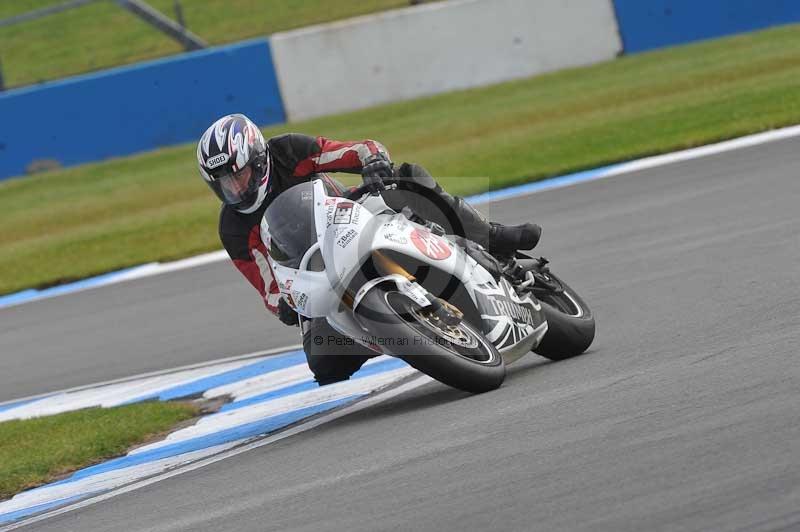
point(290, 218)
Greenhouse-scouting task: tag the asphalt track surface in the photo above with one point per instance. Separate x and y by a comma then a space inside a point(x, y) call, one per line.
point(685, 415)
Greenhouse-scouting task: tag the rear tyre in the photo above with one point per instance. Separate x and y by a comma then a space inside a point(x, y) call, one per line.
point(570, 323)
point(458, 356)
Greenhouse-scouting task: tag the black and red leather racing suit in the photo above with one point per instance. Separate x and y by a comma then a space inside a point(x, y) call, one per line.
point(296, 158)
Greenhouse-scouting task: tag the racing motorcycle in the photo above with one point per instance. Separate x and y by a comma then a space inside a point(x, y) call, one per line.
point(402, 287)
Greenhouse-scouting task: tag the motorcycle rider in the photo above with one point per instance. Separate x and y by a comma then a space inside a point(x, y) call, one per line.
point(247, 173)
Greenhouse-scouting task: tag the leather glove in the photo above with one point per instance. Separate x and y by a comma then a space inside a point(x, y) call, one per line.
point(287, 314)
point(375, 168)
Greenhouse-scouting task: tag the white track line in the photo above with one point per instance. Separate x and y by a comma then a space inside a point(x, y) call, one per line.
point(255, 354)
point(373, 399)
point(153, 269)
point(192, 262)
point(710, 149)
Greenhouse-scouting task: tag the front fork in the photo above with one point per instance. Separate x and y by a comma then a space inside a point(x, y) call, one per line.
point(433, 307)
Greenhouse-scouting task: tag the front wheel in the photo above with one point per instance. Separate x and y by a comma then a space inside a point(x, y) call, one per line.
point(570, 323)
point(456, 355)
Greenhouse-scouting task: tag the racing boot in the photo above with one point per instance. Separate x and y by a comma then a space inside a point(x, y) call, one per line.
point(498, 239)
point(506, 239)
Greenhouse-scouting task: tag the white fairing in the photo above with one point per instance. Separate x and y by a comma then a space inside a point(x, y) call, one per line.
point(349, 231)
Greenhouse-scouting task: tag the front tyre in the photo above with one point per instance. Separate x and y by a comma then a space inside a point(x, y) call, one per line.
point(570, 323)
point(458, 356)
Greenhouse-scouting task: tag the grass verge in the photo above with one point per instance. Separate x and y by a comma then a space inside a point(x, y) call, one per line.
point(102, 34)
point(35, 451)
point(95, 218)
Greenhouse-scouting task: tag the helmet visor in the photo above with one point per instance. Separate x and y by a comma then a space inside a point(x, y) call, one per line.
point(236, 186)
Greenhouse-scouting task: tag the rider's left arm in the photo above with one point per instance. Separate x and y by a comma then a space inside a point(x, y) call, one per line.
point(338, 156)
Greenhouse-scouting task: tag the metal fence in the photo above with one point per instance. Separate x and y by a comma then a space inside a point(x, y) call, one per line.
point(175, 29)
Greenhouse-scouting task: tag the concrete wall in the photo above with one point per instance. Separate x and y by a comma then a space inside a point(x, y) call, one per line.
point(434, 48)
point(142, 107)
point(648, 24)
point(346, 65)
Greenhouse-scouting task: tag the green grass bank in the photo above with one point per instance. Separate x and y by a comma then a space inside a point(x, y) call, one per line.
point(87, 220)
point(36, 451)
point(101, 34)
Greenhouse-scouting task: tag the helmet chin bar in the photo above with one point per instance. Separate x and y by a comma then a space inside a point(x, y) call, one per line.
point(257, 190)
point(260, 194)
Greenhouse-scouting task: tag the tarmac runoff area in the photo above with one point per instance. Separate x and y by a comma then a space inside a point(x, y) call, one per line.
point(263, 395)
point(682, 416)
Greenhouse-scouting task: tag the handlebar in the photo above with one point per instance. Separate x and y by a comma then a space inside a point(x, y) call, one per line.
point(357, 193)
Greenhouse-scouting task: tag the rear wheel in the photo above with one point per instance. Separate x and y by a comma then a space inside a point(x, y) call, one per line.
point(456, 355)
point(570, 323)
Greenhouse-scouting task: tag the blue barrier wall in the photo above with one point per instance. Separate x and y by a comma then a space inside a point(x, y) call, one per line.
point(648, 24)
point(136, 108)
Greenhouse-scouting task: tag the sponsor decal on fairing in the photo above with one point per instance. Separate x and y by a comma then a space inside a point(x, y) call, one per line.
point(430, 245)
point(346, 238)
point(507, 318)
point(300, 299)
point(285, 286)
point(503, 305)
point(343, 213)
point(329, 214)
point(397, 239)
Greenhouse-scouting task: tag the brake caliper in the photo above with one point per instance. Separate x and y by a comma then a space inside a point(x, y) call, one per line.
point(442, 311)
